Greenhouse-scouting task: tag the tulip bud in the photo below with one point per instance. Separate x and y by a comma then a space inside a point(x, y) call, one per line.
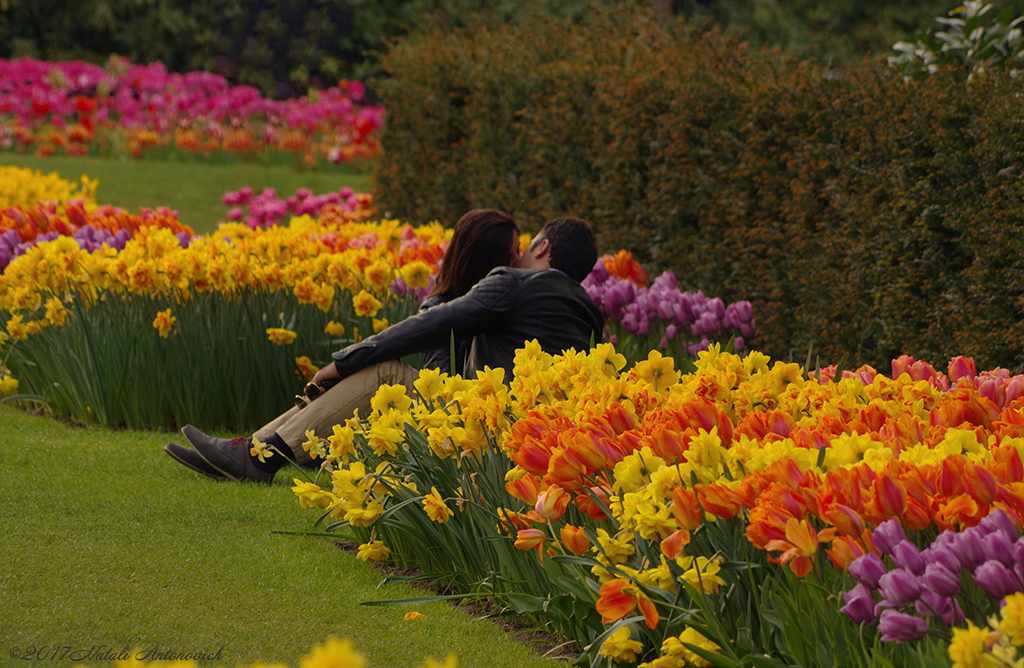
point(996, 580)
point(574, 539)
point(962, 367)
point(868, 570)
point(527, 539)
point(998, 520)
point(887, 535)
point(900, 627)
point(941, 580)
point(932, 604)
point(1018, 558)
point(907, 556)
point(999, 548)
point(900, 587)
point(859, 606)
point(969, 548)
point(890, 496)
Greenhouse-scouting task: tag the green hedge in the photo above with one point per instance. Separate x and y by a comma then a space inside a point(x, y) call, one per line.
point(283, 46)
point(860, 210)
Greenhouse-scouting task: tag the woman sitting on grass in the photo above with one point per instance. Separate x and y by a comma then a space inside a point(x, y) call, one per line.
point(482, 240)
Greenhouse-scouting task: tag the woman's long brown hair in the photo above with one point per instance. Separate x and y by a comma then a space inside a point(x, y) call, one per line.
point(482, 241)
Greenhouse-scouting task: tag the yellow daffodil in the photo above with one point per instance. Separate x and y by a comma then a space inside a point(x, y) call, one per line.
point(281, 336)
point(375, 550)
point(260, 450)
point(435, 507)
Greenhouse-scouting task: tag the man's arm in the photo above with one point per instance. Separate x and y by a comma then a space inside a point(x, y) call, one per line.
point(485, 307)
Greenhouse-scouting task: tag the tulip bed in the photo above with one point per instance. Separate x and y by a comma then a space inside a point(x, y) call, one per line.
point(129, 336)
point(746, 514)
point(76, 108)
point(116, 318)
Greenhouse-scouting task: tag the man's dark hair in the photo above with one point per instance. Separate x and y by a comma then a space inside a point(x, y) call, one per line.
point(573, 246)
point(482, 240)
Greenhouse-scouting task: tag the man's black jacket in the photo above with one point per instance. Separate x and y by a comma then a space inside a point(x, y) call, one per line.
point(503, 311)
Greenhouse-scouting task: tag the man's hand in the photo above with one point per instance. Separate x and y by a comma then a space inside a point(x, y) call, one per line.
point(329, 372)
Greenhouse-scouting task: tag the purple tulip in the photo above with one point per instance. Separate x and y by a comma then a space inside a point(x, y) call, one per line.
point(1018, 558)
point(887, 536)
point(1000, 548)
point(969, 547)
point(941, 580)
point(934, 555)
point(999, 521)
point(868, 569)
point(932, 604)
point(996, 580)
point(859, 606)
point(900, 627)
point(907, 556)
point(900, 587)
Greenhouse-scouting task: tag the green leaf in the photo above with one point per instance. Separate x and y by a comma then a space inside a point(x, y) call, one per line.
point(839, 368)
point(712, 658)
point(395, 508)
point(23, 397)
point(573, 559)
point(738, 565)
point(764, 661)
point(821, 455)
point(418, 599)
point(525, 603)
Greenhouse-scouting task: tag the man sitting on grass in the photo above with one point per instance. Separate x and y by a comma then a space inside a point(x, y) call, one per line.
point(541, 299)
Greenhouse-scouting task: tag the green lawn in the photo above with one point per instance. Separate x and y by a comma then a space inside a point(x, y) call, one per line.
point(109, 542)
point(193, 188)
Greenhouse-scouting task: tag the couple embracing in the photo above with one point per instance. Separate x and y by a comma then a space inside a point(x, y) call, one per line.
point(489, 299)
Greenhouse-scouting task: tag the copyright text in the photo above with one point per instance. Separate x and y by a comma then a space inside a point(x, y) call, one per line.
point(110, 653)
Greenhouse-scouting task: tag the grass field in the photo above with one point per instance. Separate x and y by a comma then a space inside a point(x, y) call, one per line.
point(109, 542)
point(194, 189)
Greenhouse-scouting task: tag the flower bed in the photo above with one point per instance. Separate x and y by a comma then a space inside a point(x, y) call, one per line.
point(92, 296)
point(129, 336)
point(708, 518)
point(130, 109)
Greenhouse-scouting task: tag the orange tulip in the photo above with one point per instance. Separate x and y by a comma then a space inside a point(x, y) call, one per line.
point(844, 551)
point(619, 597)
point(890, 496)
point(586, 503)
point(916, 517)
point(563, 467)
point(574, 539)
point(846, 520)
point(550, 505)
point(686, 509)
point(528, 539)
point(719, 500)
point(798, 549)
point(673, 545)
point(524, 488)
point(980, 484)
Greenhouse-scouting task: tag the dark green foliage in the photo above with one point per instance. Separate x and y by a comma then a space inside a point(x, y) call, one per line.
point(284, 46)
point(869, 213)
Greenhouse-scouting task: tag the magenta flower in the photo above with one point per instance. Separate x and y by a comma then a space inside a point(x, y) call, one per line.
point(887, 536)
point(996, 580)
point(941, 580)
point(868, 569)
point(907, 556)
point(860, 608)
point(900, 587)
point(898, 626)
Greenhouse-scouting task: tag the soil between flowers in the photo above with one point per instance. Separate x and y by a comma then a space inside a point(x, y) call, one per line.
point(548, 645)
